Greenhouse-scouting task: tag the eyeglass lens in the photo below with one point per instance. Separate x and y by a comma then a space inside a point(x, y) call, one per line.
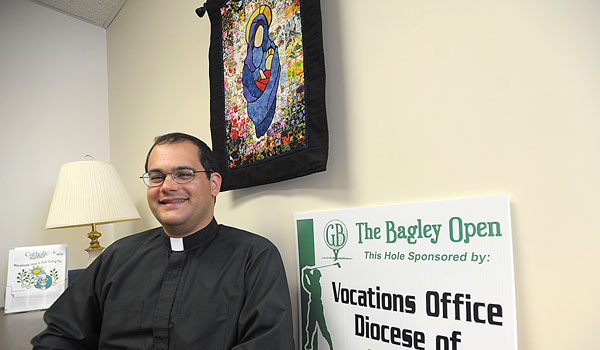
point(156, 178)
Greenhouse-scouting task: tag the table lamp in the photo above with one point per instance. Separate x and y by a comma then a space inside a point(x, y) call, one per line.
point(89, 192)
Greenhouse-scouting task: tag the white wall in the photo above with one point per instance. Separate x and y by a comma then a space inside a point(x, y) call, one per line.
point(53, 110)
point(426, 100)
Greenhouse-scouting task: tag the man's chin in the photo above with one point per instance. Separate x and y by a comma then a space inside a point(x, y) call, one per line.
point(174, 229)
point(169, 218)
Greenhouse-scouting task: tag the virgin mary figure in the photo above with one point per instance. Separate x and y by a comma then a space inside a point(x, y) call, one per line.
point(260, 75)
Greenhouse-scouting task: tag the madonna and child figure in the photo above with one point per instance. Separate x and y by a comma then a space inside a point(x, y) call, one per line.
point(261, 70)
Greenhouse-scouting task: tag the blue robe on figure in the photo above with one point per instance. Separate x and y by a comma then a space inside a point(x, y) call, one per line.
point(261, 71)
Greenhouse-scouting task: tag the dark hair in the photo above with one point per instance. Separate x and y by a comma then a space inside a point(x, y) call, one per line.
point(206, 156)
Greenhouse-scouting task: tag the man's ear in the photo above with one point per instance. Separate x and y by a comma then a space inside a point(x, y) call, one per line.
point(215, 183)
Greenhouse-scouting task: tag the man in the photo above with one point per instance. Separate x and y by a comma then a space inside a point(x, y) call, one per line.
point(190, 284)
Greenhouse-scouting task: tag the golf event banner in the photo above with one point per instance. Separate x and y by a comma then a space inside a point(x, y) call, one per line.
point(434, 275)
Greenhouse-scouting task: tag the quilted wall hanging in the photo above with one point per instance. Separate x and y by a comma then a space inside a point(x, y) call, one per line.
point(267, 90)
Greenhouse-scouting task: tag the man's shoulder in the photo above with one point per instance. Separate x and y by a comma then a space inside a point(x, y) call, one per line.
point(120, 252)
point(135, 240)
point(234, 235)
point(248, 247)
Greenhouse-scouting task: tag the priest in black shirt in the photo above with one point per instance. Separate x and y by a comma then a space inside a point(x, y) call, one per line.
point(190, 284)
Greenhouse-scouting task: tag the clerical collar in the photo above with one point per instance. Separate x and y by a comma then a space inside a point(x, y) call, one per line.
point(194, 240)
point(176, 244)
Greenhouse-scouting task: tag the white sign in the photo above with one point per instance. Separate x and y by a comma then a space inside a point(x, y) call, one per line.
point(36, 277)
point(433, 275)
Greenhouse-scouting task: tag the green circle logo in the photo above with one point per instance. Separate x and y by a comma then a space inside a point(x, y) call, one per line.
point(335, 235)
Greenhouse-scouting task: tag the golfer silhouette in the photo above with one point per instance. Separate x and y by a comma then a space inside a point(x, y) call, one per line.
point(311, 283)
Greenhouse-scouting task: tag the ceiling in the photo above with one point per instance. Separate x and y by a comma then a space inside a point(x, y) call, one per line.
point(97, 12)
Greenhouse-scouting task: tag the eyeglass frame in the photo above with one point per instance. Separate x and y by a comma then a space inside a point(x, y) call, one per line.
point(146, 175)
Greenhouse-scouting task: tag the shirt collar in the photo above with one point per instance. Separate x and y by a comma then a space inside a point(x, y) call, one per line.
point(194, 240)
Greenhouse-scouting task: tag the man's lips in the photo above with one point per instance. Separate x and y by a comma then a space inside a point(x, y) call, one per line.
point(172, 201)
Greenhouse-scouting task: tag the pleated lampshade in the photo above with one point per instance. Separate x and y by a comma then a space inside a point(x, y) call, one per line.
point(89, 192)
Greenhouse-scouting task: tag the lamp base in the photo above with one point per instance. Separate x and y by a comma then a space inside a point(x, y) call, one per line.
point(93, 254)
point(95, 248)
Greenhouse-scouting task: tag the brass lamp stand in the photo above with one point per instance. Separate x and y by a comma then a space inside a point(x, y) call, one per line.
point(95, 248)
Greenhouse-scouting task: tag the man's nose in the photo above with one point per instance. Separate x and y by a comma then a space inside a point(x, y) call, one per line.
point(169, 183)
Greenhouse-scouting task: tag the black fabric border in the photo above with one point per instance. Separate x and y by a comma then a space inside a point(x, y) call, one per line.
point(289, 165)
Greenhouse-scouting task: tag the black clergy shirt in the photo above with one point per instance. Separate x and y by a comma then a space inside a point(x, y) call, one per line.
point(220, 288)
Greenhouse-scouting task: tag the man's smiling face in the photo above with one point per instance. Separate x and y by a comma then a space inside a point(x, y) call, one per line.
point(182, 209)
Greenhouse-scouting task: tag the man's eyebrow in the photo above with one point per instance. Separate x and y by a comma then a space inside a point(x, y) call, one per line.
point(182, 167)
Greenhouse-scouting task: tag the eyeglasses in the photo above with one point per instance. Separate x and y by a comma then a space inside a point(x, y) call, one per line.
point(180, 176)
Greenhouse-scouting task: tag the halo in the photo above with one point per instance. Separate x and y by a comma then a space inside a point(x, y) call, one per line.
point(265, 11)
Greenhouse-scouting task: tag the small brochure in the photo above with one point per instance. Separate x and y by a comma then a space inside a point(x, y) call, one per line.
point(36, 277)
